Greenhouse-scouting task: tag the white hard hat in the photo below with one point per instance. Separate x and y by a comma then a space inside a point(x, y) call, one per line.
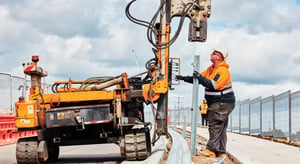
point(223, 51)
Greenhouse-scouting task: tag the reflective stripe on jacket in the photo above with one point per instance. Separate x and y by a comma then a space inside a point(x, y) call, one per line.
point(220, 78)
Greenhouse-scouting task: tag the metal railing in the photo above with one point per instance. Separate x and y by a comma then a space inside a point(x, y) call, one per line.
point(12, 87)
point(275, 116)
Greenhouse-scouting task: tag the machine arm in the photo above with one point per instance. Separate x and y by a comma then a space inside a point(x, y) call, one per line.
point(158, 34)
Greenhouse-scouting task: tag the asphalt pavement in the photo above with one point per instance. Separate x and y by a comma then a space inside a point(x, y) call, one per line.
point(253, 150)
point(246, 149)
point(94, 153)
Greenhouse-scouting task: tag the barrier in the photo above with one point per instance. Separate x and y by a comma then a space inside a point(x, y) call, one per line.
point(180, 152)
point(9, 133)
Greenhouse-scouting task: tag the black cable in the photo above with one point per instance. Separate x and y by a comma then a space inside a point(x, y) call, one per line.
point(53, 88)
point(151, 28)
point(66, 86)
point(134, 20)
point(173, 39)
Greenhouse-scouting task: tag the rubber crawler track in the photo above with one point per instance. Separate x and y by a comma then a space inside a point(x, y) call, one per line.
point(26, 151)
point(136, 146)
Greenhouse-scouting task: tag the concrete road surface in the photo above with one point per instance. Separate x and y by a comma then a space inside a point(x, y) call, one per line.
point(8, 154)
point(253, 150)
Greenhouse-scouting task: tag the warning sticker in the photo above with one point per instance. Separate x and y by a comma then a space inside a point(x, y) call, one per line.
point(60, 116)
point(30, 109)
point(24, 121)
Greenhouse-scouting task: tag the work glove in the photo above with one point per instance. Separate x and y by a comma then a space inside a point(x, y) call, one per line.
point(196, 74)
point(179, 77)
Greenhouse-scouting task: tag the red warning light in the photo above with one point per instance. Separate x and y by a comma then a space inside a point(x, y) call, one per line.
point(35, 58)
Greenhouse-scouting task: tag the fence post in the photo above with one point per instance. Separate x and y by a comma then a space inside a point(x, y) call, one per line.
point(273, 106)
point(10, 93)
point(290, 116)
point(249, 114)
point(178, 112)
point(195, 104)
point(260, 115)
point(240, 117)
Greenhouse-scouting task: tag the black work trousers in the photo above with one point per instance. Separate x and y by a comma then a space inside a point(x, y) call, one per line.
point(217, 125)
point(204, 119)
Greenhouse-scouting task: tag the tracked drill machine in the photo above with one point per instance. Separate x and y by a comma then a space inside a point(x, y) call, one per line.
point(107, 109)
point(81, 112)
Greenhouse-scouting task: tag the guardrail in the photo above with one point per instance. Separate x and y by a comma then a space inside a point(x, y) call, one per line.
point(9, 133)
point(180, 152)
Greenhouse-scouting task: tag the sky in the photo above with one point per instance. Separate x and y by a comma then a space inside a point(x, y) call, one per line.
point(80, 39)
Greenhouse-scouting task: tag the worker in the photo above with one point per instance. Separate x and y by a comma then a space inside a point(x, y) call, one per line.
point(220, 100)
point(203, 112)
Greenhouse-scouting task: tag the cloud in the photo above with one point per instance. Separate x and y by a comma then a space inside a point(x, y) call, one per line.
point(257, 16)
point(81, 39)
point(63, 18)
point(260, 56)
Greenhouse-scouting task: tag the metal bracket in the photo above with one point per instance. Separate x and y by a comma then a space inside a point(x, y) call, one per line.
point(198, 11)
point(80, 123)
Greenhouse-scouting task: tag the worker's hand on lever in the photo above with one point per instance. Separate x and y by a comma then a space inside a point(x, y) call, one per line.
point(179, 77)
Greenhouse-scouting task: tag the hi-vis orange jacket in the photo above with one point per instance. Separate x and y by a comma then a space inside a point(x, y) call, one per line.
point(219, 76)
point(203, 108)
point(217, 83)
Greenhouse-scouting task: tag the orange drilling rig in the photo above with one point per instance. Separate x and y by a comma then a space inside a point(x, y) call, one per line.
point(107, 109)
